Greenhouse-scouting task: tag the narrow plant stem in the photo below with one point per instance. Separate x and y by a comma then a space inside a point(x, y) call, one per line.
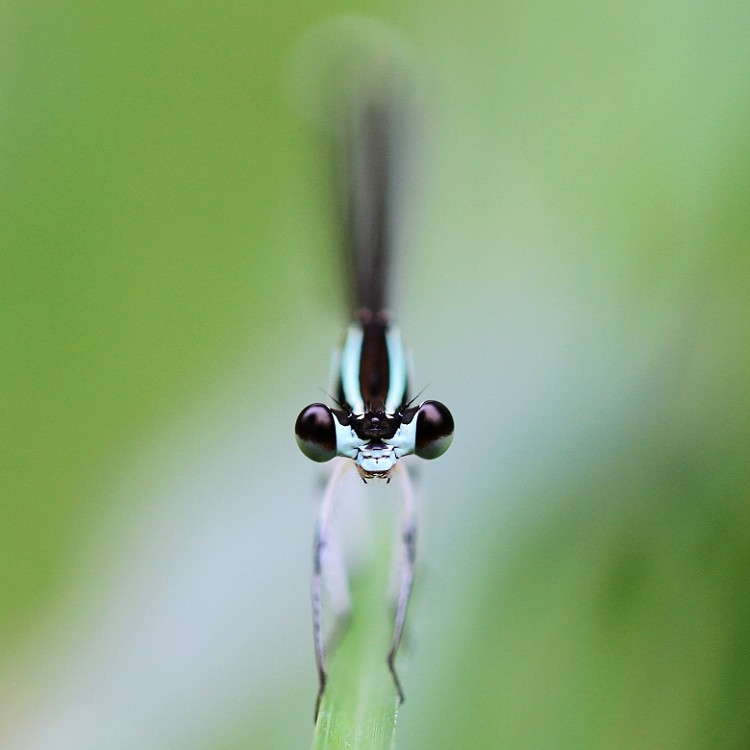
point(360, 705)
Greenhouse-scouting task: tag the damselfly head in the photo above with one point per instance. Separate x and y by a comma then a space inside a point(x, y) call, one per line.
point(374, 440)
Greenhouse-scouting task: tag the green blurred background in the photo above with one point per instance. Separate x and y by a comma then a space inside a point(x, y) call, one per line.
point(577, 293)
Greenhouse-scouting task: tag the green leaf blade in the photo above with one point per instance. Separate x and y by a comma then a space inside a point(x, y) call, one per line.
point(359, 709)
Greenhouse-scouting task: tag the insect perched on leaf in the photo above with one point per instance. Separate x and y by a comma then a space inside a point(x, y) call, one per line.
point(374, 422)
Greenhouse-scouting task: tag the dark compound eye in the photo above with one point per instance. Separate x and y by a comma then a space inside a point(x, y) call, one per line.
point(316, 432)
point(434, 432)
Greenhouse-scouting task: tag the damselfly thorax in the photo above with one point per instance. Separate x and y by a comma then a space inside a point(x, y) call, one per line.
point(375, 423)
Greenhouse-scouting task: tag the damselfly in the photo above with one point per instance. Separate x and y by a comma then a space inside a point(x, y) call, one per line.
point(375, 422)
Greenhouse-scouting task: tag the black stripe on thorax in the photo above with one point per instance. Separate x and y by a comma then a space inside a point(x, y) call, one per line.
point(374, 368)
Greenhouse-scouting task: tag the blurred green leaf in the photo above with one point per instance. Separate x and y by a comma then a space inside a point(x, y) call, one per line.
point(360, 706)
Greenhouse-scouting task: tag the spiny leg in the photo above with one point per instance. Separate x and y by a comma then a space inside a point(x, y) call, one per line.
point(406, 568)
point(321, 540)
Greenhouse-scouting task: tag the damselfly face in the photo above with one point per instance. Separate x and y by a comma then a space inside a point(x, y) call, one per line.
point(374, 440)
point(376, 424)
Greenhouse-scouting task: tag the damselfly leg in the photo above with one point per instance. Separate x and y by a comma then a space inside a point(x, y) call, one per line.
point(407, 553)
